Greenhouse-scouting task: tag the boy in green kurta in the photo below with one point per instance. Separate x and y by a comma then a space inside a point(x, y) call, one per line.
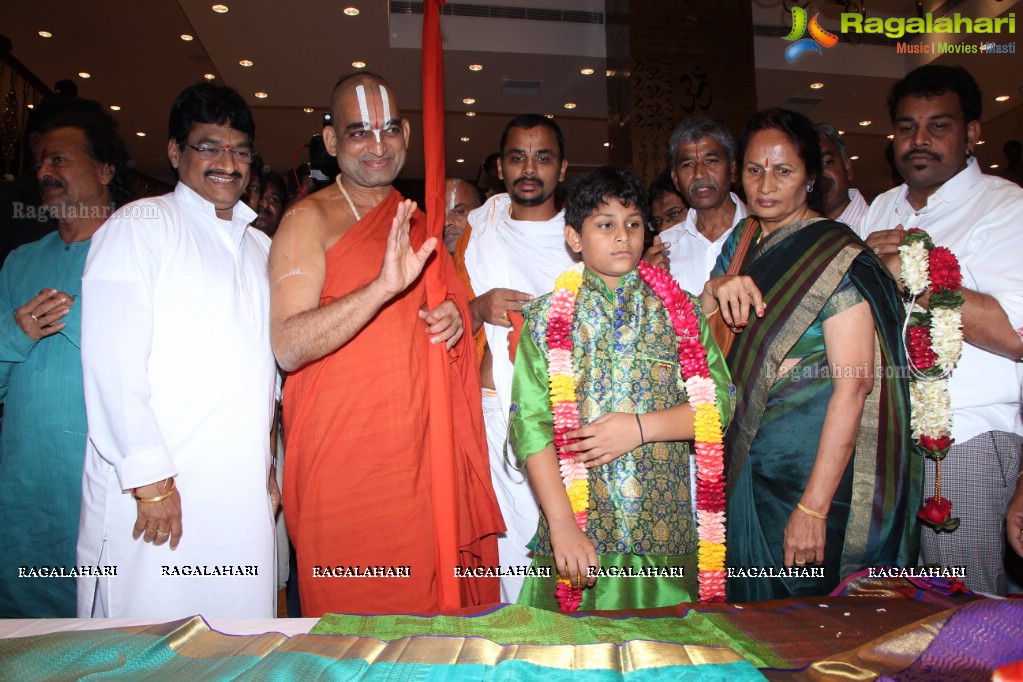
point(639, 548)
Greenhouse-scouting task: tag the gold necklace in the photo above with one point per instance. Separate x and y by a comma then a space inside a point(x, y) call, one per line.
point(348, 198)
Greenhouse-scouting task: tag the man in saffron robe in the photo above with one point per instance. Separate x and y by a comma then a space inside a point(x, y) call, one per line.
point(350, 322)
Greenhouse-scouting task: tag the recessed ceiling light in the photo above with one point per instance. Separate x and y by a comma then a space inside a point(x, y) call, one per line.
point(607, 144)
point(464, 138)
point(841, 132)
point(140, 134)
point(45, 34)
point(262, 95)
point(468, 100)
point(470, 114)
point(854, 158)
point(586, 72)
point(359, 65)
point(220, 9)
point(459, 160)
point(475, 67)
point(30, 106)
point(570, 105)
point(209, 76)
point(890, 137)
point(352, 11)
point(115, 107)
point(994, 165)
point(187, 38)
point(981, 141)
point(1002, 98)
point(609, 73)
point(816, 86)
point(865, 122)
point(548, 115)
point(245, 62)
point(308, 110)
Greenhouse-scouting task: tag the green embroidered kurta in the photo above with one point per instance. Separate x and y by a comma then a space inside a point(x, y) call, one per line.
point(640, 511)
point(42, 438)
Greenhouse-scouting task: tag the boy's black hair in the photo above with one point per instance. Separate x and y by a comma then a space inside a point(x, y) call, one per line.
point(595, 189)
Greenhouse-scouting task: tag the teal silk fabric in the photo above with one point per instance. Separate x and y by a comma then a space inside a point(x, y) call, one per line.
point(773, 443)
point(42, 442)
point(626, 353)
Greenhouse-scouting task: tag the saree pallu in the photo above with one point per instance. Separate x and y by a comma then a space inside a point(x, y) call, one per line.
point(772, 445)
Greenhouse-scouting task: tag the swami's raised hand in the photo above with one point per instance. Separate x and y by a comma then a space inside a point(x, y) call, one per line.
point(402, 264)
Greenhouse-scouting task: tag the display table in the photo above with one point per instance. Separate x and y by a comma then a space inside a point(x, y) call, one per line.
point(896, 629)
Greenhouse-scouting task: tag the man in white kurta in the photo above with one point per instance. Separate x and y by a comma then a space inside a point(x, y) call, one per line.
point(516, 249)
point(179, 388)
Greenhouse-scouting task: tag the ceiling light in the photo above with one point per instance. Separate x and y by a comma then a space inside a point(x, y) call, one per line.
point(140, 134)
point(549, 115)
point(470, 114)
point(115, 107)
point(459, 160)
point(890, 137)
point(84, 74)
point(609, 73)
point(841, 132)
point(607, 144)
point(816, 86)
point(187, 38)
point(468, 100)
point(262, 95)
point(570, 105)
point(308, 110)
point(220, 9)
point(854, 158)
point(245, 62)
point(45, 34)
point(30, 106)
point(981, 141)
point(464, 138)
point(865, 123)
point(994, 165)
point(1002, 98)
point(359, 65)
point(352, 11)
point(209, 76)
point(475, 67)
point(586, 72)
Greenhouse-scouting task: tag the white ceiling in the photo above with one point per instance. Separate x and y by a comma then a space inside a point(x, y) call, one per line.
point(299, 48)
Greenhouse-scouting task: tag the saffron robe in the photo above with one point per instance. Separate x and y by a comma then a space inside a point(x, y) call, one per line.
point(357, 486)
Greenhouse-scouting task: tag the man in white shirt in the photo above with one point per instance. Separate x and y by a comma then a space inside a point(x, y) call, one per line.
point(703, 167)
point(841, 202)
point(180, 384)
point(515, 250)
point(936, 113)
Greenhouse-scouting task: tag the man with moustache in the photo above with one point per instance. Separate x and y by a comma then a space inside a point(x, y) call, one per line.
point(841, 202)
point(350, 322)
point(180, 384)
point(83, 173)
point(513, 250)
point(702, 153)
point(271, 204)
point(936, 113)
point(460, 197)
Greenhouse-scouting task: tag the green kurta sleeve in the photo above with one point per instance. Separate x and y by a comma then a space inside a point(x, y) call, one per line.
point(531, 425)
point(718, 368)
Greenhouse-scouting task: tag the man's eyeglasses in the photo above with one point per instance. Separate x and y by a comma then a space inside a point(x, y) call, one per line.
point(208, 152)
point(670, 218)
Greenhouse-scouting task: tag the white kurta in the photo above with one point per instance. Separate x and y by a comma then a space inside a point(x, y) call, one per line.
point(692, 256)
point(179, 381)
point(528, 256)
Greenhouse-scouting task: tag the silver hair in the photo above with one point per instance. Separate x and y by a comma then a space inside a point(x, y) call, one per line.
point(825, 131)
point(695, 128)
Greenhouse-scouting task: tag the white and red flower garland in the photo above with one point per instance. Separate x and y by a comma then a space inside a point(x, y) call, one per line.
point(934, 343)
point(709, 458)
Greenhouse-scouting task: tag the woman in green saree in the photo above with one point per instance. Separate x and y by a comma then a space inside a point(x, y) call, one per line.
point(821, 476)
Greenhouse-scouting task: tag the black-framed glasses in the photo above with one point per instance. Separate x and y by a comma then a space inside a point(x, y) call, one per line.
point(670, 218)
point(209, 152)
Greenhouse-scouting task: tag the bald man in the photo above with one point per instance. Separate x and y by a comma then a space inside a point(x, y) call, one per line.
point(460, 197)
point(350, 322)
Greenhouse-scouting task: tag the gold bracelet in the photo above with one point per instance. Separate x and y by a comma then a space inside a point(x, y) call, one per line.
point(810, 512)
point(712, 314)
point(159, 498)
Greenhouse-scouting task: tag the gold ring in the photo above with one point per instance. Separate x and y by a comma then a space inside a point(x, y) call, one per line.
point(504, 316)
point(162, 533)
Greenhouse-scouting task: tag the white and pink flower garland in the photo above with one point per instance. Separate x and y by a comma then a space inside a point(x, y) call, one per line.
point(700, 388)
point(934, 343)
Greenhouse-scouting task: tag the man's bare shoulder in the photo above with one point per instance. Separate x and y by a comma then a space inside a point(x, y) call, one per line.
point(319, 216)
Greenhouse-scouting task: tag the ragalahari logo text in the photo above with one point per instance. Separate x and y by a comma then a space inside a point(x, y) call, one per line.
point(818, 36)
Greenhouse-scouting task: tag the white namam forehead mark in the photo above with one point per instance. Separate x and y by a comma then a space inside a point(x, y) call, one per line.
point(360, 93)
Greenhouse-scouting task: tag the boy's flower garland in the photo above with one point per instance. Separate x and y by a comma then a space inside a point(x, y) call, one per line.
point(934, 343)
point(710, 500)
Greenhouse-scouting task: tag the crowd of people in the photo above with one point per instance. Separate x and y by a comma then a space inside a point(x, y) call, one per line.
point(701, 384)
